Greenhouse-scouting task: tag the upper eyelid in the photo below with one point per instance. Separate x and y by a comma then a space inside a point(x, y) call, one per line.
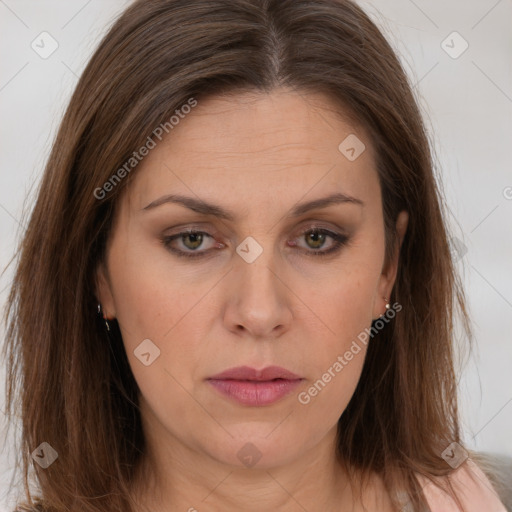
point(196, 228)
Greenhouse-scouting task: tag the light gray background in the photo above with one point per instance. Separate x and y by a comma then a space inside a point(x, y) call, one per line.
point(467, 102)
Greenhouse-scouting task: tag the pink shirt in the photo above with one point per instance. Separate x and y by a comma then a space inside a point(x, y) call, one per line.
point(476, 494)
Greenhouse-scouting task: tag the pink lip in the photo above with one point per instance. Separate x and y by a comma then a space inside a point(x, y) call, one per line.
point(248, 373)
point(253, 387)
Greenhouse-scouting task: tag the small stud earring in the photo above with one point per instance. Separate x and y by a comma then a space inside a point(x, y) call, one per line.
point(387, 306)
point(107, 325)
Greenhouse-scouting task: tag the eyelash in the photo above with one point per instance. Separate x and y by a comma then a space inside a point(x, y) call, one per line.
point(339, 241)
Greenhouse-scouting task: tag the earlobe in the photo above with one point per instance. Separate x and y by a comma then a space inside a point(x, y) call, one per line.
point(104, 292)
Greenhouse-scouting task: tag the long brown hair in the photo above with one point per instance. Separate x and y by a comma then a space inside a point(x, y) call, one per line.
point(73, 387)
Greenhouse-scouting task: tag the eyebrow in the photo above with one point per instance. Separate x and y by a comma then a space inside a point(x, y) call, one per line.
point(206, 208)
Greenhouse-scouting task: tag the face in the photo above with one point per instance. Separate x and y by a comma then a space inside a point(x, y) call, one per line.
point(276, 280)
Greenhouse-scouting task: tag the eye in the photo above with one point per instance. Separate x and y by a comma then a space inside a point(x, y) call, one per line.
point(191, 240)
point(315, 238)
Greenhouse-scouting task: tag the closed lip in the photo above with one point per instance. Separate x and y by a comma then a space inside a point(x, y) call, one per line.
point(251, 374)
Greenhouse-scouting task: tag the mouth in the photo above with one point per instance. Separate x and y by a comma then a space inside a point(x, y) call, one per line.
point(255, 388)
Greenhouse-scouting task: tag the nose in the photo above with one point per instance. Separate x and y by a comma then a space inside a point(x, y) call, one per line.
point(258, 299)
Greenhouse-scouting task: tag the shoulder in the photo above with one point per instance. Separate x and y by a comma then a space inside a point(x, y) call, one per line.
point(473, 489)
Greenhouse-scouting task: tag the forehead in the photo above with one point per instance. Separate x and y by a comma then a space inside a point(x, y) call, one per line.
point(255, 125)
point(258, 144)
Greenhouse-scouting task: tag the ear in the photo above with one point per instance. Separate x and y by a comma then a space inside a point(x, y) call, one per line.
point(389, 272)
point(104, 292)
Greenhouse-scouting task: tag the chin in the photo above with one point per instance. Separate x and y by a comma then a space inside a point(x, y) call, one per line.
point(254, 448)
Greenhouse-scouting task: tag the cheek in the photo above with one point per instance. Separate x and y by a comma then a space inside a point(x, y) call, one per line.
point(155, 303)
point(344, 305)
point(341, 302)
point(339, 353)
point(151, 297)
point(327, 395)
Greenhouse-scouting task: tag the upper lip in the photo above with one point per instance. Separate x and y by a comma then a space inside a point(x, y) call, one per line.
point(248, 373)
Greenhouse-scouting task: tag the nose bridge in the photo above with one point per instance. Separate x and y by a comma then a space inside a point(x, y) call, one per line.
point(259, 302)
point(256, 267)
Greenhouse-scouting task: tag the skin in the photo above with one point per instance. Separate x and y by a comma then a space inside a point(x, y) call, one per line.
point(258, 155)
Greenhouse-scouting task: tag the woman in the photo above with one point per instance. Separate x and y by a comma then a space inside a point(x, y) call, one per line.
point(235, 291)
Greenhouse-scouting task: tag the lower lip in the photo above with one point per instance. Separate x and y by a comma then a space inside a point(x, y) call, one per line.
point(255, 393)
